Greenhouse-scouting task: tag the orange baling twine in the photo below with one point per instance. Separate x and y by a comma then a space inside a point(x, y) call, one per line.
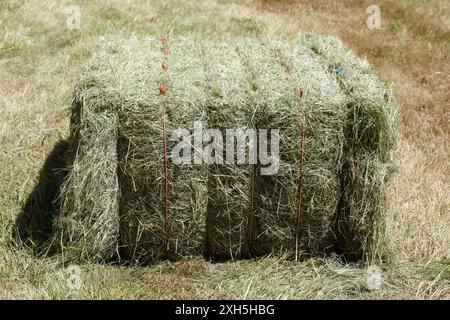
point(300, 182)
point(163, 90)
point(166, 188)
point(298, 207)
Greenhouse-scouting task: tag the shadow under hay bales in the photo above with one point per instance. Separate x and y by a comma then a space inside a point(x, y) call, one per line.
point(34, 224)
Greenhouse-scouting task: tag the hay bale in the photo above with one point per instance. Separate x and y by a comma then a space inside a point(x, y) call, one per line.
point(277, 196)
point(335, 137)
point(88, 224)
point(371, 131)
point(141, 161)
point(228, 185)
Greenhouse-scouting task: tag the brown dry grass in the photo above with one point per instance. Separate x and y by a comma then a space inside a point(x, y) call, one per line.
point(39, 61)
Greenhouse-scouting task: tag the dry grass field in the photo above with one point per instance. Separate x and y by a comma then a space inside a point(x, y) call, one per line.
point(39, 62)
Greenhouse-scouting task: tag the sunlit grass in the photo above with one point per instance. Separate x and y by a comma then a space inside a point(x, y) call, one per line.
point(39, 65)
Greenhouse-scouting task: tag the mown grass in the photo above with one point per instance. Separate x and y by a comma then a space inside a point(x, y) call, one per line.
point(39, 62)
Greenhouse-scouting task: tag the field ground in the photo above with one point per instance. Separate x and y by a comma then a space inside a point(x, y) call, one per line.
point(39, 63)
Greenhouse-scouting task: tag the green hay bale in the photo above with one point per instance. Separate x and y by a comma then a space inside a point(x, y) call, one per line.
point(230, 210)
point(371, 131)
point(228, 185)
point(141, 160)
point(323, 104)
point(88, 224)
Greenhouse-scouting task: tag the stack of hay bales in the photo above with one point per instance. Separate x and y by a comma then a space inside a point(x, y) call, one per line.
point(336, 125)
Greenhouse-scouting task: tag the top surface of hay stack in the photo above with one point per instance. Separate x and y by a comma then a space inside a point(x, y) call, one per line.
point(328, 106)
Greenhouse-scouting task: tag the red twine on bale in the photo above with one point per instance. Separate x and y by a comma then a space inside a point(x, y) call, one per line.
point(162, 91)
point(299, 198)
point(300, 181)
point(166, 187)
